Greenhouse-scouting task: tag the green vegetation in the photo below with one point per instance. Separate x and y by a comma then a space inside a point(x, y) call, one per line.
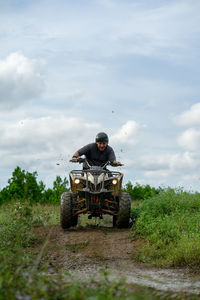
point(170, 223)
point(24, 276)
point(167, 219)
point(141, 192)
point(23, 186)
point(77, 246)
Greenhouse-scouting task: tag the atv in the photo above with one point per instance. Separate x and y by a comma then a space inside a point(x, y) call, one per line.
point(95, 191)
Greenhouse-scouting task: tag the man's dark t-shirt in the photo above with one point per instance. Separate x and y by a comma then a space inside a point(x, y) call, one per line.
point(95, 156)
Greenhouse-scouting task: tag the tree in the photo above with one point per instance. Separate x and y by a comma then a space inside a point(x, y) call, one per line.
point(141, 192)
point(22, 186)
point(59, 186)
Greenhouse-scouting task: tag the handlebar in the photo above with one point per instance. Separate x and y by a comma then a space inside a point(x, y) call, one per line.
point(108, 163)
point(79, 160)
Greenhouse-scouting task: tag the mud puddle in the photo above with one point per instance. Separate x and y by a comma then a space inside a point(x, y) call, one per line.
point(88, 252)
point(176, 281)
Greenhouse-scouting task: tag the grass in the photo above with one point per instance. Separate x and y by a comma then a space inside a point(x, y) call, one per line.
point(170, 223)
point(78, 246)
point(46, 214)
point(94, 222)
point(22, 274)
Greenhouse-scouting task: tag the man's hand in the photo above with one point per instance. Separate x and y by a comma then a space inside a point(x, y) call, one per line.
point(74, 159)
point(116, 163)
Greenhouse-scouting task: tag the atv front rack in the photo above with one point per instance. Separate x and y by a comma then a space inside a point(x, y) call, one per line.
point(80, 173)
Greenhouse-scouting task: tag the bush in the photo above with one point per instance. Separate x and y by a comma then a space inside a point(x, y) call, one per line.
point(141, 192)
point(170, 223)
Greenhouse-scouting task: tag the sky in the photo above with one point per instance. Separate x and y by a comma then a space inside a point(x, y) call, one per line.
point(71, 69)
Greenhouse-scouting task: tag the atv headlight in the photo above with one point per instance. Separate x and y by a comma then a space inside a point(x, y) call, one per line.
point(114, 181)
point(77, 180)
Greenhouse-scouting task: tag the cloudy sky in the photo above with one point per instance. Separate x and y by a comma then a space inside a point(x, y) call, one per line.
point(131, 68)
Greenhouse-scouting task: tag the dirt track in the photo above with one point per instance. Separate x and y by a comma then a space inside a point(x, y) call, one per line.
point(83, 251)
point(74, 248)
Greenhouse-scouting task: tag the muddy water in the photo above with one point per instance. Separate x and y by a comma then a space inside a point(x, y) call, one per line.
point(178, 281)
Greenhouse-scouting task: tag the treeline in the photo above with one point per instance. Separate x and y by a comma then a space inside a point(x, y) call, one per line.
point(141, 192)
point(24, 186)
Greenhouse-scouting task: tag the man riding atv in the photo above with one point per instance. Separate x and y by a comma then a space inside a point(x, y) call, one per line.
point(95, 190)
point(97, 153)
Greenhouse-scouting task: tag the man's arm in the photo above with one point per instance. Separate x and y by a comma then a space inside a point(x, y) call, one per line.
point(112, 157)
point(80, 152)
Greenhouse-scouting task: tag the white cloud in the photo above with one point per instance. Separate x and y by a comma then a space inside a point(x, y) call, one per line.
point(46, 144)
point(166, 30)
point(190, 139)
point(110, 28)
point(20, 80)
point(183, 162)
point(190, 117)
point(166, 165)
point(127, 133)
point(45, 139)
point(151, 163)
point(43, 143)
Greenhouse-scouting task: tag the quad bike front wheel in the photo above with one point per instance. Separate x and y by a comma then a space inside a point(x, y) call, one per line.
point(123, 217)
point(67, 220)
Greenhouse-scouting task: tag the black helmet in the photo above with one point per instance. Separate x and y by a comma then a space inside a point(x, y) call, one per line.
point(101, 137)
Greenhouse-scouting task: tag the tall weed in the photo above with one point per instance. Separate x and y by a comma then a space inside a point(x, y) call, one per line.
point(170, 222)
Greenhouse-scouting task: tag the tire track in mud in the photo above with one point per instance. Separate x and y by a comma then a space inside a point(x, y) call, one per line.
point(73, 248)
point(84, 251)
